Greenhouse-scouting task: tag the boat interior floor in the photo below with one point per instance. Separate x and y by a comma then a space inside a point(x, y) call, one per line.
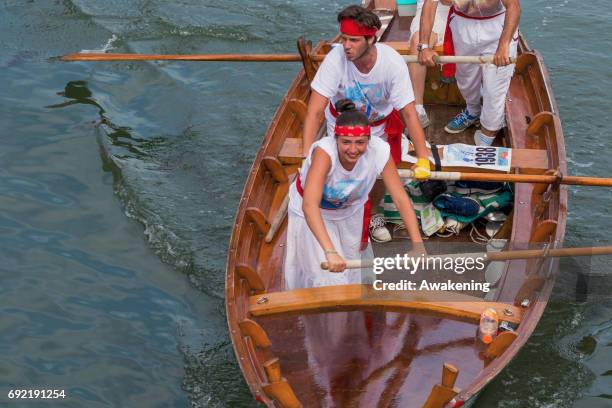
point(439, 116)
point(377, 358)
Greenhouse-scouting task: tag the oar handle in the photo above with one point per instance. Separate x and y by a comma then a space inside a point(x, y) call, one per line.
point(457, 59)
point(434, 175)
point(351, 264)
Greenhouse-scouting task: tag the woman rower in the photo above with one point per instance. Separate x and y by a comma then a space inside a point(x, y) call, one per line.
point(328, 214)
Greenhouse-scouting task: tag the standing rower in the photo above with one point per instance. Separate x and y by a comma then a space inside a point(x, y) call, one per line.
point(375, 78)
point(328, 203)
point(418, 73)
point(477, 27)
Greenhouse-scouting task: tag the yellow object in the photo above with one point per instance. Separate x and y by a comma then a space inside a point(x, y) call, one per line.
point(422, 170)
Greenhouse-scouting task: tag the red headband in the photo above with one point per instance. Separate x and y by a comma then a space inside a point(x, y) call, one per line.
point(349, 26)
point(354, 131)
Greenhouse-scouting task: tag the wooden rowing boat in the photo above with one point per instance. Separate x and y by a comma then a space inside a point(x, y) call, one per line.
point(333, 346)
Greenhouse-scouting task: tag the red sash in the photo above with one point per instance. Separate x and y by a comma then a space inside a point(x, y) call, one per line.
point(393, 128)
point(367, 208)
point(448, 70)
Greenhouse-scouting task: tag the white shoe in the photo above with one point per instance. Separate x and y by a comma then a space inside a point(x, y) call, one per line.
point(423, 119)
point(480, 139)
point(378, 229)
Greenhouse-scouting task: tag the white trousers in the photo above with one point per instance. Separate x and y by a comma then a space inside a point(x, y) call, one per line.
point(304, 255)
point(481, 37)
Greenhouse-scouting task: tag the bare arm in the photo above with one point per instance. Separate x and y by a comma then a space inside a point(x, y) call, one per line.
point(313, 191)
point(316, 108)
point(428, 15)
point(411, 121)
point(511, 22)
point(402, 201)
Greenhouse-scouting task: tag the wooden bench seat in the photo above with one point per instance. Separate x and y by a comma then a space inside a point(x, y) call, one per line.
point(527, 160)
point(352, 297)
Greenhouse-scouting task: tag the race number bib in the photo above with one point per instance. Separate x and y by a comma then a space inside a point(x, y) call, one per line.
point(483, 157)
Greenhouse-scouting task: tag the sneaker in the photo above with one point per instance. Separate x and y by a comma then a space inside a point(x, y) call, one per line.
point(470, 187)
point(463, 206)
point(423, 119)
point(480, 139)
point(378, 229)
point(461, 122)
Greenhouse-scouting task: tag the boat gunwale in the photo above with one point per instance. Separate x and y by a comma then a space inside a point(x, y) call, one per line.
point(231, 298)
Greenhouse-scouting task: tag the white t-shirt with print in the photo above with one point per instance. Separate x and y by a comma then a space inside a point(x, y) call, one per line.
point(345, 191)
point(386, 87)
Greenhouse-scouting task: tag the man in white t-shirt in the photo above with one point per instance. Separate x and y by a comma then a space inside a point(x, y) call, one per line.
point(375, 77)
point(477, 27)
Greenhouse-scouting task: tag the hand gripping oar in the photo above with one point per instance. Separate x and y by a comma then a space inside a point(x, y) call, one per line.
point(513, 178)
point(499, 256)
point(93, 56)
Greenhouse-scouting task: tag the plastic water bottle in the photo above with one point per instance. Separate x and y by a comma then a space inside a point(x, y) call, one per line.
point(489, 322)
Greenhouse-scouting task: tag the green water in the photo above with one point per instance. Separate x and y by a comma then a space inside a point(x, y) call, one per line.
point(119, 183)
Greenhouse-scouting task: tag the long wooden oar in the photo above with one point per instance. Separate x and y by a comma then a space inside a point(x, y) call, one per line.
point(500, 256)
point(177, 57)
point(83, 56)
point(513, 178)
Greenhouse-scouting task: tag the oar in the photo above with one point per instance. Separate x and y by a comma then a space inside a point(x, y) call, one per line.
point(513, 178)
point(86, 56)
point(458, 59)
point(499, 256)
point(177, 57)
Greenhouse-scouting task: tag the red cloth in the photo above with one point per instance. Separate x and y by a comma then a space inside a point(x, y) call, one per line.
point(367, 208)
point(350, 26)
point(393, 128)
point(352, 131)
point(449, 70)
point(365, 228)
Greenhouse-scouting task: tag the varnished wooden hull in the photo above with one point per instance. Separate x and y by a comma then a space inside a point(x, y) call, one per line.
point(398, 359)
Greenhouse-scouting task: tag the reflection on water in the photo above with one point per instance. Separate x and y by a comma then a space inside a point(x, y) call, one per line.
point(78, 93)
